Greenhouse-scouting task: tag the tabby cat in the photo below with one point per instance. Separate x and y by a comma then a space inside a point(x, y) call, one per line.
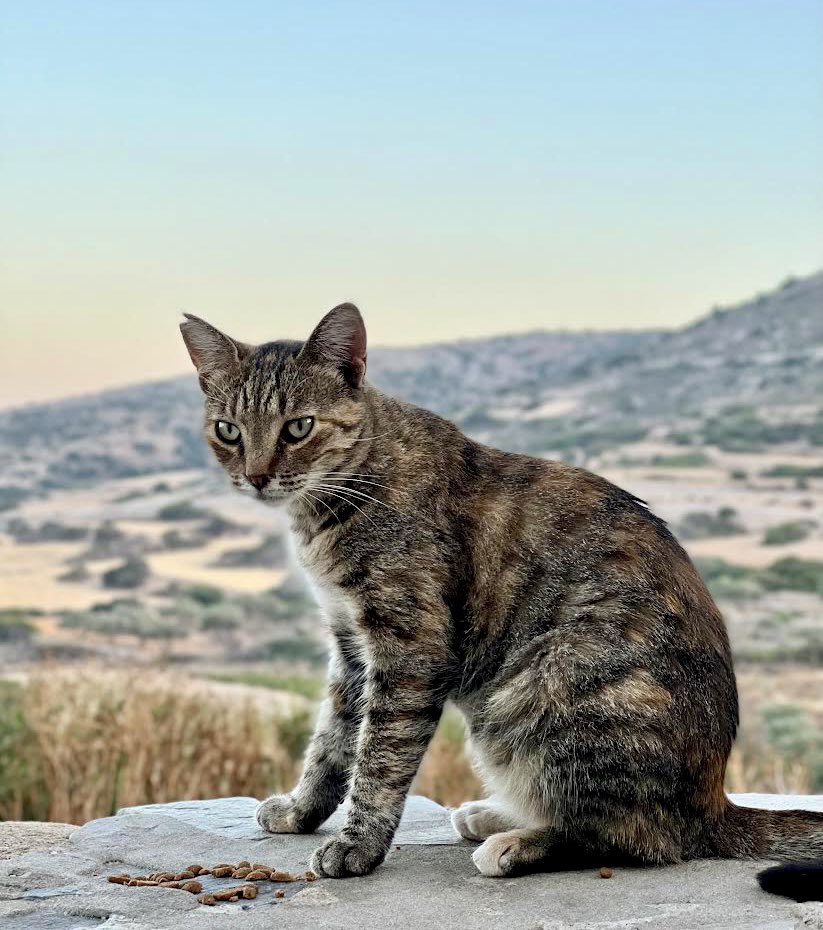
point(551, 607)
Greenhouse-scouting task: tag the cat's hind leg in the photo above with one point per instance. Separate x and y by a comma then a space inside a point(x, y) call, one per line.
point(478, 820)
point(517, 852)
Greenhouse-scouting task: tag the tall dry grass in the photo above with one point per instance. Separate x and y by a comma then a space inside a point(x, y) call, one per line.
point(91, 741)
point(446, 774)
point(79, 744)
point(755, 767)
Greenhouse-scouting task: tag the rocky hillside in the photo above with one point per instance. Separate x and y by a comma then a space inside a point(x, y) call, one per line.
point(739, 377)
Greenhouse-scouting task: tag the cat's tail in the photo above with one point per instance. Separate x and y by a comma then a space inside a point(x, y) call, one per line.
point(792, 835)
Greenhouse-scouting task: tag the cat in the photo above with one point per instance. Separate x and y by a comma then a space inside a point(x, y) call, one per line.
point(551, 607)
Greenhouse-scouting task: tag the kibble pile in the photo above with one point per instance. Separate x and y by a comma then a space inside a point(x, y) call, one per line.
point(188, 880)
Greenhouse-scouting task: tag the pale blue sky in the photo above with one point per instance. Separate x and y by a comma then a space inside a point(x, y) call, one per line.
point(456, 168)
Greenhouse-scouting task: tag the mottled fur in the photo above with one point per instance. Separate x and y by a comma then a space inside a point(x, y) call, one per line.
point(558, 613)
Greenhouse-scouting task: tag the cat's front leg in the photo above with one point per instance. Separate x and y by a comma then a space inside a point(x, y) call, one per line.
point(329, 758)
point(404, 704)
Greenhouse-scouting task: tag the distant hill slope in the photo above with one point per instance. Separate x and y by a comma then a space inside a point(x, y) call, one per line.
point(571, 394)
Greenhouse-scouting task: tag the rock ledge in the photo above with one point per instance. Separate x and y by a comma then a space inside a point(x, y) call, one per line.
point(53, 877)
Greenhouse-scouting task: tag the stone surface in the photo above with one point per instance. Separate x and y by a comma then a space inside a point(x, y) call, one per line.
point(428, 880)
point(22, 836)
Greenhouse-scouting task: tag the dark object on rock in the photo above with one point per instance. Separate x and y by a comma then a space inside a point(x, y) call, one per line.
point(800, 881)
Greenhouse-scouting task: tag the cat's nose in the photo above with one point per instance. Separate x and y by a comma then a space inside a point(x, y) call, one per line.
point(259, 481)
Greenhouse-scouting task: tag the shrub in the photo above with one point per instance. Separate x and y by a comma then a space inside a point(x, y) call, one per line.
point(794, 574)
point(181, 510)
point(15, 625)
point(701, 524)
point(125, 617)
point(205, 594)
point(132, 573)
point(694, 459)
point(794, 471)
point(267, 554)
point(783, 533)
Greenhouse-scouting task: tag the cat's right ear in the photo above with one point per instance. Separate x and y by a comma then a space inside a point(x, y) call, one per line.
point(212, 352)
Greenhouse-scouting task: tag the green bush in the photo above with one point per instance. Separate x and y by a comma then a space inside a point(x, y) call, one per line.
point(15, 625)
point(205, 594)
point(702, 524)
point(181, 510)
point(682, 460)
point(794, 574)
point(793, 471)
point(783, 533)
point(132, 573)
point(792, 732)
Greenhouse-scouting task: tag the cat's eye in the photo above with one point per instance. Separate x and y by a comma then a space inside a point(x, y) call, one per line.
point(295, 430)
point(227, 432)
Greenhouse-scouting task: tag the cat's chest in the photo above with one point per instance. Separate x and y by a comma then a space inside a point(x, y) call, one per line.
point(341, 606)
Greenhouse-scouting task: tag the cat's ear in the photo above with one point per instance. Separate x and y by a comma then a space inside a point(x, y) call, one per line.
point(211, 351)
point(340, 338)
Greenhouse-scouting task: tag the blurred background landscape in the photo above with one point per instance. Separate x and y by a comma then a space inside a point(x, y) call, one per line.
point(158, 643)
point(590, 231)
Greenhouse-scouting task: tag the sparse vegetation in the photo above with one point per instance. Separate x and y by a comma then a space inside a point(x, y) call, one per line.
point(16, 625)
point(792, 531)
point(269, 553)
point(75, 745)
point(726, 580)
point(124, 617)
point(694, 459)
point(50, 531)
point(181, 510)
point(132, 573)
point(793, 471)
point(702, 524)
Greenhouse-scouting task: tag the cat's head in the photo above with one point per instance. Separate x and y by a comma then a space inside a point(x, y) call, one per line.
point(282, 416)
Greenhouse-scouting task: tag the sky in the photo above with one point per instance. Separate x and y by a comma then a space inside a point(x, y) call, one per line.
point(457, 169)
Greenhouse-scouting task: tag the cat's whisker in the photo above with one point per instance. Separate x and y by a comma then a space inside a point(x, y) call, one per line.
point(319, 501)
point(366, 481)
point(361, 495)
point(317, 487)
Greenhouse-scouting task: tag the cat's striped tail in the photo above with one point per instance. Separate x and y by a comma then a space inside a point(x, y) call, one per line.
point(795, 836)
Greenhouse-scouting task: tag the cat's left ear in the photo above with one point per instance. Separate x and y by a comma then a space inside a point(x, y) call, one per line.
point(340, 338)
point(211, 351)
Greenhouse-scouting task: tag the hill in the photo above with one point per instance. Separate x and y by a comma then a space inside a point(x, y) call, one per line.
point(741, 376)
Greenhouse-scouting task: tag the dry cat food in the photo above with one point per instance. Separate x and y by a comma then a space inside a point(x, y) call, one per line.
point(606, 872)
point(186, 880)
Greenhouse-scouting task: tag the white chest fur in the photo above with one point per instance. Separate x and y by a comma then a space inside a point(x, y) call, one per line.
point(340, 607)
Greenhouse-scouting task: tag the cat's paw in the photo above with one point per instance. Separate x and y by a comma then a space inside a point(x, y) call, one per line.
point(478, 820)
point(340, 857)
point(500, 855)
point(277, 814)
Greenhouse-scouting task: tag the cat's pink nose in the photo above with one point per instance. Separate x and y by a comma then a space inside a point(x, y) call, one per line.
point(259, 481)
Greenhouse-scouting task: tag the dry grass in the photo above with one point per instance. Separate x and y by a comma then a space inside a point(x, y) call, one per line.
point(92, 741)
point(753, 769)
point(446, 774)
point(79, 744)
